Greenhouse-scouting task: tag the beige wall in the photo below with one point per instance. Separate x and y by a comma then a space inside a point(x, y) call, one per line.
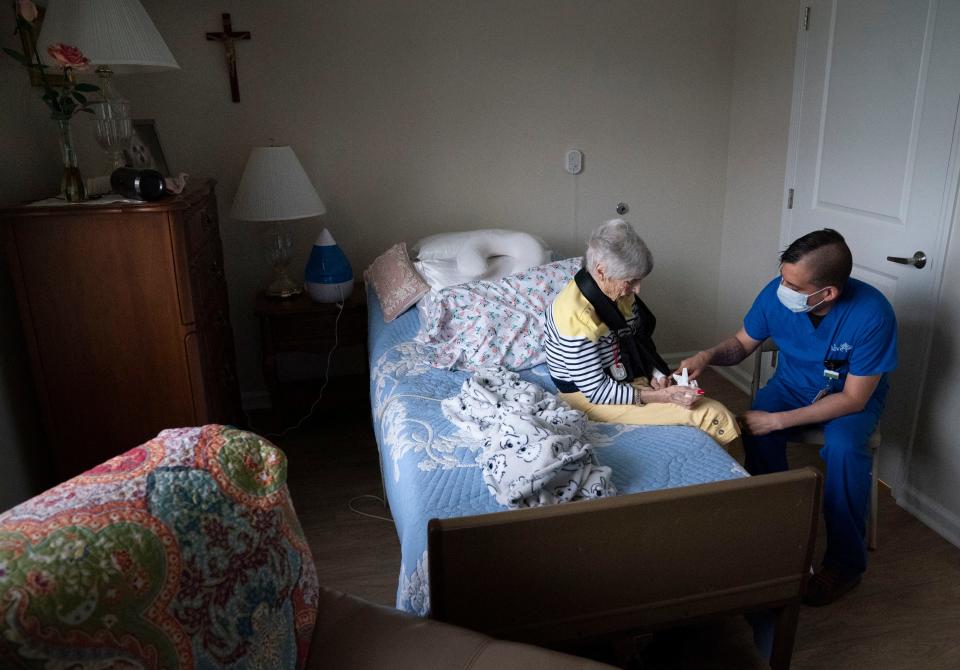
point(418, 117)
point(757, 157)
point(29, 168)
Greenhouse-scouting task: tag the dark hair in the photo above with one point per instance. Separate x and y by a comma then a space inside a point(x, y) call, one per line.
point(829, 253)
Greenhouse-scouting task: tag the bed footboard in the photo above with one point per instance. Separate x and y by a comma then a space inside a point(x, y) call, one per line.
point(558, 574)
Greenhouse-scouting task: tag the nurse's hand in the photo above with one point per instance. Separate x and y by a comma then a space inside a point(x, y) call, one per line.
point(695, 365)
point(755, 422)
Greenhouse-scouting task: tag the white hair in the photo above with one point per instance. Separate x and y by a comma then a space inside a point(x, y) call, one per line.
point(616, 246)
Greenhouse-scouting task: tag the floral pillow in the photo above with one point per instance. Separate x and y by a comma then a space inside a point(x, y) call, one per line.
point(486, 323)
point(396, 282)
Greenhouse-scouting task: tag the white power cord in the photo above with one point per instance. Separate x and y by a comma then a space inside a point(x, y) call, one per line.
point(326, 380)
point(313, 407)
point(372, 516)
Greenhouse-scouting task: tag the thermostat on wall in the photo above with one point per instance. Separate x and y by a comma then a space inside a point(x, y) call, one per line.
point(574, 161)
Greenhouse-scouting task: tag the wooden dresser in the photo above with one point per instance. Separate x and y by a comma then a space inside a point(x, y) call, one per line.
point(125, 313)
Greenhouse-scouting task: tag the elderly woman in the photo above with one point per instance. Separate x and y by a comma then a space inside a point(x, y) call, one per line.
point(600, 351)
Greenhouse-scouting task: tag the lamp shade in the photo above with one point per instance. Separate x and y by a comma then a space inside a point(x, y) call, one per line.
point(114, 33)
point(275, 187)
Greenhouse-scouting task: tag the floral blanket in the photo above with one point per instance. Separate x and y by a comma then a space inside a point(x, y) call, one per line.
point(184, 552)
point(484, 323)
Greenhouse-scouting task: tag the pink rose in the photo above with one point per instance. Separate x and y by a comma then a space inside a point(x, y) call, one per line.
point(68, 56)
point(27, 10)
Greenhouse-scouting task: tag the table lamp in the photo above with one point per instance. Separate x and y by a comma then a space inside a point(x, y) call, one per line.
point(118, 37)
point(275, 188)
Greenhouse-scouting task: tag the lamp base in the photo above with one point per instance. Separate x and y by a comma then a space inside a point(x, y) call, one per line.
point(279, 243)
point(283, 287)
point(113, 123)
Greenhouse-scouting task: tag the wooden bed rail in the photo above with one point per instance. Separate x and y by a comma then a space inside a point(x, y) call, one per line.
point(558, 574)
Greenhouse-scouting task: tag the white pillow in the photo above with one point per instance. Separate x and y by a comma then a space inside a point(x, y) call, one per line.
point(443, 272)
point(440, 273)
point(448, 259)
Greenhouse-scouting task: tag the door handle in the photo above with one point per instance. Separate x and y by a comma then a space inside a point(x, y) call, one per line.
point(918, 260)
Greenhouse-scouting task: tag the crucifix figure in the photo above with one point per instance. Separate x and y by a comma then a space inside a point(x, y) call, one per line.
point(228, 37)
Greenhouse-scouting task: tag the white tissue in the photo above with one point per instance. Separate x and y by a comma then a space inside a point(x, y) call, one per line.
point(176, 184)
point(683, 379)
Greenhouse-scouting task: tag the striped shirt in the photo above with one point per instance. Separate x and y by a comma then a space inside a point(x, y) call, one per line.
point(580, 347)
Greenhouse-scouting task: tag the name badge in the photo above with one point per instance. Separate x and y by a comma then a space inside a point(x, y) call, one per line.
point(831, 374)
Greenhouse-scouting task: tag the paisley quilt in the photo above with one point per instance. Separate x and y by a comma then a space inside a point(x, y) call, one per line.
point(184, 552)
point(430, 467)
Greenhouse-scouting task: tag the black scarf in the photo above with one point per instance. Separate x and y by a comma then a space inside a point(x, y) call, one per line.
point(638, 353)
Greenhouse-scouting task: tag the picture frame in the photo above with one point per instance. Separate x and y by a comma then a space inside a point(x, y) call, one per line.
point(28, 41)
point(144, 151)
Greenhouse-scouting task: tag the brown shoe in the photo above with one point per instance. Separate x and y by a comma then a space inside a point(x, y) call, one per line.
point(828, 584)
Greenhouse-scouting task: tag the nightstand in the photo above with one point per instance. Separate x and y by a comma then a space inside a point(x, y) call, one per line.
point(301, 326)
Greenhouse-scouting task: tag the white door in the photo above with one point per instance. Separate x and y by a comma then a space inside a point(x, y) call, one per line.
point(873, 154)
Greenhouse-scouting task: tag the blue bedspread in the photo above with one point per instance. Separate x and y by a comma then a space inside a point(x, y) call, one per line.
point(429, 469)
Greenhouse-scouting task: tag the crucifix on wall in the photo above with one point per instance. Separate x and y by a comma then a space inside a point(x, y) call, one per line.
point(228, 37)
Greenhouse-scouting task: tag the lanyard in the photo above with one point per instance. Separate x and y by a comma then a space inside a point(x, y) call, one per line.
point(618, 370)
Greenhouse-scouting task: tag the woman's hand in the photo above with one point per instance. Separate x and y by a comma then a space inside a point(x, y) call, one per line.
point(662, 383)
point(684, 396)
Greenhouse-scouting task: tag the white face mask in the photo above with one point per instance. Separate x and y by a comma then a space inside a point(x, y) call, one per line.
point(795, 301)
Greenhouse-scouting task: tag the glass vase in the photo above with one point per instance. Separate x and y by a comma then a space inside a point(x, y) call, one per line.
point(72, 183)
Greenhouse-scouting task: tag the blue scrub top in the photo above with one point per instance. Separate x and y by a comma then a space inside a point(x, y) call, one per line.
point(858, 335)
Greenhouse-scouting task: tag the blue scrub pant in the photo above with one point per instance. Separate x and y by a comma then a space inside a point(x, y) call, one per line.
point(846, 491)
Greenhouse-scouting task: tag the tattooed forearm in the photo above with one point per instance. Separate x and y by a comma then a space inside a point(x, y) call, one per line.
point(728, 352)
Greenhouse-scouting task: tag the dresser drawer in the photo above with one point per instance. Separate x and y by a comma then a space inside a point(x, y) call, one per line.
point(200, 277)
point(201, 225)
point(207, 280)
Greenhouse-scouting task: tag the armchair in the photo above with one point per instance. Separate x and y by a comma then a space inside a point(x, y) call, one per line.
point(186, 552)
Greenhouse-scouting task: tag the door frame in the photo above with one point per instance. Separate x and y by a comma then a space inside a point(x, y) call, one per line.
point(948, 213)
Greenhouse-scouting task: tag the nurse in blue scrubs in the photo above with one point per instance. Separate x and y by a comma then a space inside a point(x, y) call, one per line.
point(838, 340)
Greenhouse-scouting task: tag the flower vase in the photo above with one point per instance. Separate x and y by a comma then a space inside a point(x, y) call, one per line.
point(72, 183)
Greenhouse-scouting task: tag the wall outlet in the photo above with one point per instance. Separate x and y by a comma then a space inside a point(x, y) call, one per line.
point(574, 164)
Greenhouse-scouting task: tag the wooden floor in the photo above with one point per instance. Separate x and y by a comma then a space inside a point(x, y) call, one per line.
point(905, 614)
